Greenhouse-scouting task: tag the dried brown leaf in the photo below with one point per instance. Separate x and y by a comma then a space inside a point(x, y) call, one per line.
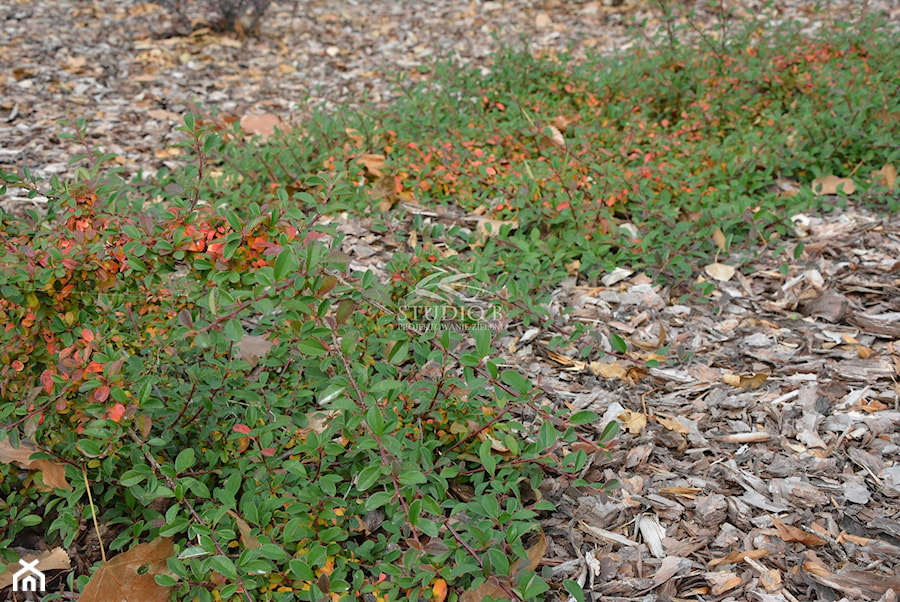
point(244, 529)
point(52, 560)
point(831, 184)
point(608, 369)
point(131, 576)
point(719, 238)
point(738, 556)
point(253, 347)
point(260, 125)
point(672, 424)
point(373, 164)
point(790, 533)
point(633, 422)
point(886, 176)
point(720, 271)
point(53, 473)
point(745, 382)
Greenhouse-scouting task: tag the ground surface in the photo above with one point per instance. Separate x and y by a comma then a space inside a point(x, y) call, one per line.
point(762, 466)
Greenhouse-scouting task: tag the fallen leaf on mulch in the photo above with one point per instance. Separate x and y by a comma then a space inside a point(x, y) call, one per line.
point(831, 184)
point(53, 473)
point(886, 176)
point(720, 271)
point(260, 125)
point(633, 422)
point(131, 576)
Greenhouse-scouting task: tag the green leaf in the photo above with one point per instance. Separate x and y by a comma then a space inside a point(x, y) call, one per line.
point(515, 380)
point(532, 585)
point(234, 331)
point(29, 520)
point(575, 590)
point(368, 476)
point(130, 478)
point(412, 477)
point(617, 343)
point(166, 580)
point(90, 448)
point(286, 263)
point(482, 338)
point(583, 417)
point(375, 420)
point(609, 431)
point(311, 347)
point(377, 500)
point(224, 566)
point(398, 353)
point(487, 459)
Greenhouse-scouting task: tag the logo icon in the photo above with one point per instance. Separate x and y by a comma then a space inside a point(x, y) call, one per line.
point(28, 578)
point(442, 301)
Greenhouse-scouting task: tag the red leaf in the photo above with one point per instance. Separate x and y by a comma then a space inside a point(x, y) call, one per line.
point(102, 394)
point(87, 335)
point(268, 452)
point(242, 428)
point(47, 380)
point(116, 412)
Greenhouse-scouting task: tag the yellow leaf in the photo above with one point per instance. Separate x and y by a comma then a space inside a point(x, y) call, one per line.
point(745, 382)
point(672, 424)
point(633, 422)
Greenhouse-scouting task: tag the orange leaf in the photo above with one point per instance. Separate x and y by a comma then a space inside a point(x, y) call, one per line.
point(439, 590)
point(116, 412)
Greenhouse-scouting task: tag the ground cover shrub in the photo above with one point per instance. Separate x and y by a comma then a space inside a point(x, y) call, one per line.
point(656, 159)
point(207, 371)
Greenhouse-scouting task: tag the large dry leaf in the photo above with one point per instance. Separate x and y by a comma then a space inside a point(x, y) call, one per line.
point(260, 125)
point(832, 185)
point(373, 163)
point(53, 473)
point(886, 176)
point(252, 347)
point(745, 382)
point(738, 556)
point(488, 228)
point(720, 271)
point(633, 422)
point(51, 560)
point(130, 577)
